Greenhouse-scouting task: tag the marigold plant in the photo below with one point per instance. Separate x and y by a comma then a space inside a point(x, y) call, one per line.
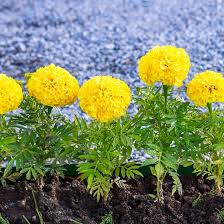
point(11, 94)
point(53, 86)
point(171, 131)
point(166, 64)
point(206, 87)
point(104, 98)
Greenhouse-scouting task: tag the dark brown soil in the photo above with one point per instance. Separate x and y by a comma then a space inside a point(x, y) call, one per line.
point(64, 201)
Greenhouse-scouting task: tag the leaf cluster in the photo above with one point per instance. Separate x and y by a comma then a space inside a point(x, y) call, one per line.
point(106, 150)
point(33, 138)
point(173, 133)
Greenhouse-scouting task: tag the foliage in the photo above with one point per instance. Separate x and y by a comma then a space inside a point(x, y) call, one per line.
point(3, 220)
point(220, 214)
point(166, 128)
point(37, 137)
point(106, 149)
point(209, 161)
point(37, 141)
point(107, 219)
point(196, 201)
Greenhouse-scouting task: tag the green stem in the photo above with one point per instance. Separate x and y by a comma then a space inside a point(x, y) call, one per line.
point(159, 189)
point(209, 105)
point(165, 94)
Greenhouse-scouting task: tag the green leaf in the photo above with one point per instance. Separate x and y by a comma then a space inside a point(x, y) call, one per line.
point(8, 168)
point(8, 140)
point(159, 169)
point(38, 169)
point(153, 172)
point(34, 173)
point(170, 161)
point(152, 153)
point(122, 172)
point(153, 146)
point(218, 146)
point(90, 181)
point(137, 173)
point(130, 164)
point(136, 137)
point(28, 175)
point(149, 161)
point(88, 157)
point(123, 139)
point(103, 169)
point(117, 172)
point(187, 163)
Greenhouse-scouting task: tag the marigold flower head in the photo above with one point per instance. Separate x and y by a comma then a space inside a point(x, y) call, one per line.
point(104, 98)
point(206, 87)
point(53, 86)
point(166, 64)
point(11, 94)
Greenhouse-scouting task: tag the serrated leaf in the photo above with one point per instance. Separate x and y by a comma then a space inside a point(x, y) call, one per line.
point(117, 172)
point(129, 164)
point(39, 170)
point(34, 173)
point(8, 168)
point(103, 169)
point(136, 137)
point(149, 161)
point(128, 172)
point(153, 146)
point(98, 175)
point(8, 140)
point(137, 173)
point(14, 176)
point(152, 153)
point(186, 164)
point(170, 161)
point(28, 175)
point(122, 172)
point(90, 181)
point(88, 157)
point(123, 139)
point(153, 172)
point(159, 169)
point(218, 146)
point(134, 167)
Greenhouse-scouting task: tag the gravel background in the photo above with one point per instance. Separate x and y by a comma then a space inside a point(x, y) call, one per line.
point(89, 37)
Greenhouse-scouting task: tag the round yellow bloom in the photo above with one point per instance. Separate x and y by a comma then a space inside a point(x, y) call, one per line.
point(53, 86)
point(104, 98)
point(206, 87)
point(11, 94)
point(166, 64)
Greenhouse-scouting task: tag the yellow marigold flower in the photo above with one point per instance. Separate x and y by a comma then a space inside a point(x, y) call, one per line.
point(53, 86)
point(166, 64)
point(206, 87)
point(104, 98)
point(11, 94)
